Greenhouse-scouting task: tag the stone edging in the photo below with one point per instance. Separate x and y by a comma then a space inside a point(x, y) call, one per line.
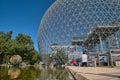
point(76, 75)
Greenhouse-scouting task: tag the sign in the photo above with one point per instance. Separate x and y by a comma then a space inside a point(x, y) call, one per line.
point(103, 58)
point(94, 59)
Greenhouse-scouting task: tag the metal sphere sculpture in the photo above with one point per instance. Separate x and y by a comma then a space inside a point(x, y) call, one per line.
point(68, 18)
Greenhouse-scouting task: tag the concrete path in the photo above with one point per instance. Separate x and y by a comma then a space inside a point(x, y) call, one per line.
point(97, 73)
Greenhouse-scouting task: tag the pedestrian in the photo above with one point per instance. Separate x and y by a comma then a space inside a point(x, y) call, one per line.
point(84, 59)
point(74, 61)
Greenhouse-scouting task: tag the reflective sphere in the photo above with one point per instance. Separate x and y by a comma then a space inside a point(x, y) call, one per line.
point(68, 18)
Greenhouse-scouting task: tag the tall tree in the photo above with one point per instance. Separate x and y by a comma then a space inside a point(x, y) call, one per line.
point(5, 44)
point(25, 48)
point(22, 45)
point(61, 57)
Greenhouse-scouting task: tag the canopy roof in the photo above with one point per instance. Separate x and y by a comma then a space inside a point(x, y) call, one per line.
point(115, 51)
point(99, 31)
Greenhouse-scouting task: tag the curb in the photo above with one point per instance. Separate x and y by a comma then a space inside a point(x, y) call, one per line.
point(76, 75)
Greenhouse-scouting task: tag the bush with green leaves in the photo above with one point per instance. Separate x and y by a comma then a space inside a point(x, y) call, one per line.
point(61, 57)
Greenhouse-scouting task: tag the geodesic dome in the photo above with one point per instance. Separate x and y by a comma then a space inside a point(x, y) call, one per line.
point(68, 18)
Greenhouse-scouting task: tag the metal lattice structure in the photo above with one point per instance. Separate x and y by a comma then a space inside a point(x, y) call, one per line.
point(66, 19)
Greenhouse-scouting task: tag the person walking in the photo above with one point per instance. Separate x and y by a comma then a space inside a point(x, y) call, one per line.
point(74, 61)
point(84, 59)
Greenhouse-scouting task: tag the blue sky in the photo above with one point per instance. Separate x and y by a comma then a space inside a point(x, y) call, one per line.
point(23, 16)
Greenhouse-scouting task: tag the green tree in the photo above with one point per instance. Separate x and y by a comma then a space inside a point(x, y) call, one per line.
point(22, 45)
point(61, 57)
point(25, 48)
point(5, 44)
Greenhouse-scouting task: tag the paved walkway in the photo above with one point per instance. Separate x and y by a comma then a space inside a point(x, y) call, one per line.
point(97, 73)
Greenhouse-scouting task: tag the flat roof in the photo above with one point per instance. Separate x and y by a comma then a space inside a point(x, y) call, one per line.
point(61, 47)
point(78, 40)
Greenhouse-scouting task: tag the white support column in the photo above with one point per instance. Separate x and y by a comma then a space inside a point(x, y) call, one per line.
point(111, 59)
point(101, 46)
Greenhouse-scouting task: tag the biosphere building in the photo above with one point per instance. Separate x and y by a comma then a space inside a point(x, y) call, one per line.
point(83, 20)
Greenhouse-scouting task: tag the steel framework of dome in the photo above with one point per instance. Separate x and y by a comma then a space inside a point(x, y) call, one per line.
point(67, 19)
